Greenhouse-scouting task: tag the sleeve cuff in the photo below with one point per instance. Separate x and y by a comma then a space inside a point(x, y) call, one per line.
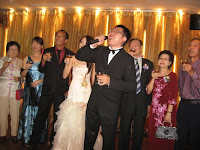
point(92, 47)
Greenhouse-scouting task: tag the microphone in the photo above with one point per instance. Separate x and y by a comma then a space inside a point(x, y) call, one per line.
point(96, 40)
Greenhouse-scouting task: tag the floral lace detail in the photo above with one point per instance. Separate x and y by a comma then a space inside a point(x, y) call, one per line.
point(84, 83)
point(158, 108)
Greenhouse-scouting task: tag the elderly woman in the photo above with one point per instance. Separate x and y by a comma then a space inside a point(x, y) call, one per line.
point(10, 67)
point(164, 88)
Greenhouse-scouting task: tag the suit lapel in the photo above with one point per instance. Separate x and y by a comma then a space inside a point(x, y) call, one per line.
point(143, 71)
point(105, 56)
point(116, 58)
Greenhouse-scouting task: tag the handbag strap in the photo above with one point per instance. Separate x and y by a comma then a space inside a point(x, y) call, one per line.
point(20, 83)
point(168, 122)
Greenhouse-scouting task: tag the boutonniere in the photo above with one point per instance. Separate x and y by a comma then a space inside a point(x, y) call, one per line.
point(166, 78)
point(145, 67)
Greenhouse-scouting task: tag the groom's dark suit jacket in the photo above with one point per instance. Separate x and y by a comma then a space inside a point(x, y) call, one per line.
point(121, 71)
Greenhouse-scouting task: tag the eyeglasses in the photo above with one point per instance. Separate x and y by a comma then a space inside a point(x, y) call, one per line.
point(165, 59)
point(116, 31)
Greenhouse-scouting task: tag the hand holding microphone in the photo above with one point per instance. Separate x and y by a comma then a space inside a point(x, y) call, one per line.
point(98, 41)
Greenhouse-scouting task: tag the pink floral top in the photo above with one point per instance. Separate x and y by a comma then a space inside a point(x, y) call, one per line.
point(165, 92)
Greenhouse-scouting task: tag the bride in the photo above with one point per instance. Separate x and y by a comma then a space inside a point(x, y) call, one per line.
point(70, 125)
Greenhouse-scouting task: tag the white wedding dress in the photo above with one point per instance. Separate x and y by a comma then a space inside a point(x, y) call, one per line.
point(70, 124)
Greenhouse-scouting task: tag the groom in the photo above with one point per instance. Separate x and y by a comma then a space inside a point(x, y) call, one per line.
point(118, 77)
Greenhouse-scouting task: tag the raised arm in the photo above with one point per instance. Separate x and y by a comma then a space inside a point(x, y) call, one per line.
point(151, 83)
point(68, 66)
point(25, 67)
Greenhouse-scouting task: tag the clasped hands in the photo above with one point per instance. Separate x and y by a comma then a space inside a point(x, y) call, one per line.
point(103, 79)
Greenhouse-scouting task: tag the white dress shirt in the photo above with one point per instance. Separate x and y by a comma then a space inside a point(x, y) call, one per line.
point(111, 55)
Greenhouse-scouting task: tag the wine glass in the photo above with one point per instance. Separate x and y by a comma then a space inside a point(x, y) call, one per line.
point(156, 70)
point(99, 73)
point(50, 53)
point(68, 56)
point(30, 62)
point(185, 62)
point(8, 60)
point(133, 50)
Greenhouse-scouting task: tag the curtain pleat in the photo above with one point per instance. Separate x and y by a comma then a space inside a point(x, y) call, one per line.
point(164, 30)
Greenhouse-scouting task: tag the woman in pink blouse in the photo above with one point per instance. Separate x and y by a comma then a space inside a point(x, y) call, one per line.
point(164, 87)
point(10, 68)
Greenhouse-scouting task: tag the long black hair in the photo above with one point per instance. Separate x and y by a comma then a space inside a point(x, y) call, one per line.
point(88, 39)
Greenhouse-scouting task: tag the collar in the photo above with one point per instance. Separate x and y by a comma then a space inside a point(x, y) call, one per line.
point(116, 48)
point(139, 59)
point(59, 49)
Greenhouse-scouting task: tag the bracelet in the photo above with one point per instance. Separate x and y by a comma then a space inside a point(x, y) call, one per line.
point(169, 111)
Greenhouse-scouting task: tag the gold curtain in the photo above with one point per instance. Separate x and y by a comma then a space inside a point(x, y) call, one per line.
point(158, 30)
point(164, 30)
point(3, 26)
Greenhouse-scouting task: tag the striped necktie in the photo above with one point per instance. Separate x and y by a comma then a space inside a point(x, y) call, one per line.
point(137, 69)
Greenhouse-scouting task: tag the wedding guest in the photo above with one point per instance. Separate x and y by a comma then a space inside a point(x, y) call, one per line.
point(10, 67)
point(117, 76)
point(54, 86)
point(135, 104)
point(32, 91)
point(70, 125)
point(188, 121)
point(164, 88)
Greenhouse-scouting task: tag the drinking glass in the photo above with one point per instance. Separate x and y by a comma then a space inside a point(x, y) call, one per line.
point(185, 62)
point(133, 50)
point(68, 56)
point(50, 53)
point(99, 73)
point(8, 60)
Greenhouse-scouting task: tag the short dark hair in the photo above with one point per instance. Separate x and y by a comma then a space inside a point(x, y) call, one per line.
point(66, 34)
point(88, 38)
point(170, 54)
point(141, 43)
point(125, 31)
point(11, 43)
point(195, 39)
point(38, 40)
